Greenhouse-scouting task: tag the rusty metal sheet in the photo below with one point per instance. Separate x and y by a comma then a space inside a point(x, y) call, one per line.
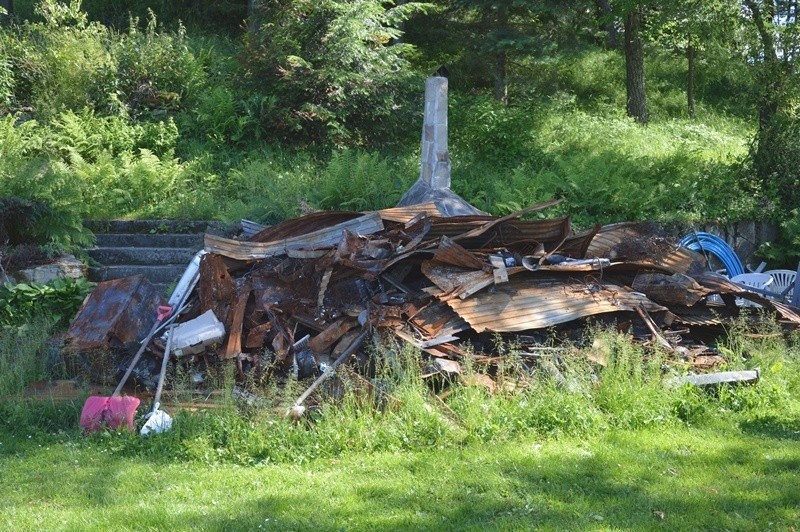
point(304, 225)
point(477, 225)
point(575, 246)
point(448, 277)
point(450, 252)
point(115, 314)
point(472, 232)
point(611, 235)
point(706, 317)
point(438, 319)
point(327, 237)
point(535, 302)
point(716, 283)
point(675, 289)
point(406, 214)
point(642, 243)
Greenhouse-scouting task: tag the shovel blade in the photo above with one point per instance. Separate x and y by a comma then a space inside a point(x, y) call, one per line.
point(111, 412)
point(158, 422)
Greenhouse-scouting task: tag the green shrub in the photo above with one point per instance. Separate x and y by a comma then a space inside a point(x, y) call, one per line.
point(156, 70)
point(336, 69)
point(88, 135)
point(63, 62)
point(358, 181)
point(58, 300)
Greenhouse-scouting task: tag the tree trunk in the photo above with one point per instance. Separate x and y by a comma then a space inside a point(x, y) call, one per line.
point(771, 80)
point(253, 14)
point(690, 57)
point(605, 21)
point(501, 58)
point(634, 67)
point(500, 77)
point(771, 71)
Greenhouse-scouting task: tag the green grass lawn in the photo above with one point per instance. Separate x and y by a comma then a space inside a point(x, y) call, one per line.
point(730, 475)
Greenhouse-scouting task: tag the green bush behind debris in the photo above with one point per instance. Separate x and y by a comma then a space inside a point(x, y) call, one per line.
point(58, 300)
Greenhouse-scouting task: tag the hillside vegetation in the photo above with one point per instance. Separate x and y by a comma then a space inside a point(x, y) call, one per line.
point(185, 110)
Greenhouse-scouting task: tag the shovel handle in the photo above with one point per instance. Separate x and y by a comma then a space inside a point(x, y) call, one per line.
point(164, 362)
point(356, 343)
point(137, 356)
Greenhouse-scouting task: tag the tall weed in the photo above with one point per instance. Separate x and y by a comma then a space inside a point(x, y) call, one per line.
point(24, 355)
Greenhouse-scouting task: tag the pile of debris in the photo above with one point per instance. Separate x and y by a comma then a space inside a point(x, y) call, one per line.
point(299, 297)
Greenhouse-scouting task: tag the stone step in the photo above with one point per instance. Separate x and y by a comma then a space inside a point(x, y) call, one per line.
point(156, 274)
point(147, 240)
point(160, 226)
point(154, 256)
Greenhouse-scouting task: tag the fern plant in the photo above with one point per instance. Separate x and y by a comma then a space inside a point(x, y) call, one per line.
point(359, 180)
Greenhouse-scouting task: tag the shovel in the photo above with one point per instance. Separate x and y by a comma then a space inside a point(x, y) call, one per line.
point(116, 411)
point(157, 420)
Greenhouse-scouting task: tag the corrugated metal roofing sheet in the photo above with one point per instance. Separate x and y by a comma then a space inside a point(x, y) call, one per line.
point(450, 252)
point(405, 214)
point(674, 259)
point(535, 302)
point(310, 223)
point(322, 238)
point(506, 233)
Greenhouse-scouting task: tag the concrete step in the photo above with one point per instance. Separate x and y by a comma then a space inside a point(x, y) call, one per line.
point(154, 256)
point(156, 274)
point(147, 240)
point(159, 226)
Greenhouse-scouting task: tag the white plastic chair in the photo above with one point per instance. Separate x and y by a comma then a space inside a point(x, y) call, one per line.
point(782, 280)
point(753, 280)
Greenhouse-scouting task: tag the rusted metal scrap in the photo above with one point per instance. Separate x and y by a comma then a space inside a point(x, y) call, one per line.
point(294, 297)
point(116, 314)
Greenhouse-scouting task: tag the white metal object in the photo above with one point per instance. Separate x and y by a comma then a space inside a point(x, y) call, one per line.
point(193, 336)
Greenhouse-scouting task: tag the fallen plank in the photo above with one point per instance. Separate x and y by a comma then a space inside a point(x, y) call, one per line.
point(715, 379)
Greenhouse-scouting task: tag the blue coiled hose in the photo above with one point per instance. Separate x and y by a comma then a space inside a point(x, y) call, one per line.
point(708, 243)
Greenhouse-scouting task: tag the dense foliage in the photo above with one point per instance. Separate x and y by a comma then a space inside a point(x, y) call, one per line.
point(24, 303)
point(263, 109)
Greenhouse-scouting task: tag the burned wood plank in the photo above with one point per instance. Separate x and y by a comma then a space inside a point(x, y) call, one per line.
point(648, 321)
point(324, 340)
point(449, 278)
point(233, 347)
point(257, 335)
point(216, 287)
